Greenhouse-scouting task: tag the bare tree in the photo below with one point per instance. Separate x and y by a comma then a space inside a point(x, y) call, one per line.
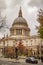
point(40, 17)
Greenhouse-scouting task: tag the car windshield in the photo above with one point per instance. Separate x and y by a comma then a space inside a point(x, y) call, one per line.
point(32, 58)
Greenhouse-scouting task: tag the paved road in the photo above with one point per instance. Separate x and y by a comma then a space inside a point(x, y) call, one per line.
point(5, 61)
point(16, 63)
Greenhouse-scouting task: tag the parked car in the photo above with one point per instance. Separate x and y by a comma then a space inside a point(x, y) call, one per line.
point(42, 58)
point(31, 60)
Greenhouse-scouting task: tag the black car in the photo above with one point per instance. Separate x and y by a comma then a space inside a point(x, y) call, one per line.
point(31, 60)
point(42, 58)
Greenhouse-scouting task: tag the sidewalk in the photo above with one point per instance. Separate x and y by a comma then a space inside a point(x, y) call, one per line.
point(20, 60)
point(13, 60)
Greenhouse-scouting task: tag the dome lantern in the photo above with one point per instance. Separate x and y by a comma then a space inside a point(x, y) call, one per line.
point(20, 13)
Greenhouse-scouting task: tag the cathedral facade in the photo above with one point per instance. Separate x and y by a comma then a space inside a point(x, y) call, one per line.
point(20, 32)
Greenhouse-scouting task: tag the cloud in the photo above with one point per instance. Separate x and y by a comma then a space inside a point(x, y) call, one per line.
point(2, 4)
point(1, 35)
point(30, 14)
point(12, 3)
point(16, 2)
point(29, 9)
point(4, 31)
point(37, 3)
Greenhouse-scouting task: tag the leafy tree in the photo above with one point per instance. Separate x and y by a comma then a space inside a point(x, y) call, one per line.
point(8, 52)
point(41, 32)
point(40, 29)
point(40, 20)
point(21, 49)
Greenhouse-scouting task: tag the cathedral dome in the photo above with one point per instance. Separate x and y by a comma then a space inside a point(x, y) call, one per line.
point(20, 27)
point(20, 20)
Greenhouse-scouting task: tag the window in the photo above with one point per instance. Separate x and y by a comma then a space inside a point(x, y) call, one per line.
point(26, 32)
point(18, 31)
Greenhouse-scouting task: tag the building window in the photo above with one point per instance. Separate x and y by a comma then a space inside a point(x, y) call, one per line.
point(18, 31)
point(26, 32)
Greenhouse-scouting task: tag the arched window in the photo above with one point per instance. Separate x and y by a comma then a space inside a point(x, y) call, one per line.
point(18, 31)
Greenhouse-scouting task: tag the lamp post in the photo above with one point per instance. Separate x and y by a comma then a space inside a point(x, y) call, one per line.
point(31, 48)
point(27, 50)
point(4, 44)
point(16, 51)
point(40, 49)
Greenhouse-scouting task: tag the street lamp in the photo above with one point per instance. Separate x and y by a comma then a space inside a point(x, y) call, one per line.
point(4, 44)
point(16, 51)
point(31, 47)
point(40, 49)
point(27, 50)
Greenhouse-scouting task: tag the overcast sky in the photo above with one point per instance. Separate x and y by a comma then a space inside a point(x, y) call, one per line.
point(29, 8)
